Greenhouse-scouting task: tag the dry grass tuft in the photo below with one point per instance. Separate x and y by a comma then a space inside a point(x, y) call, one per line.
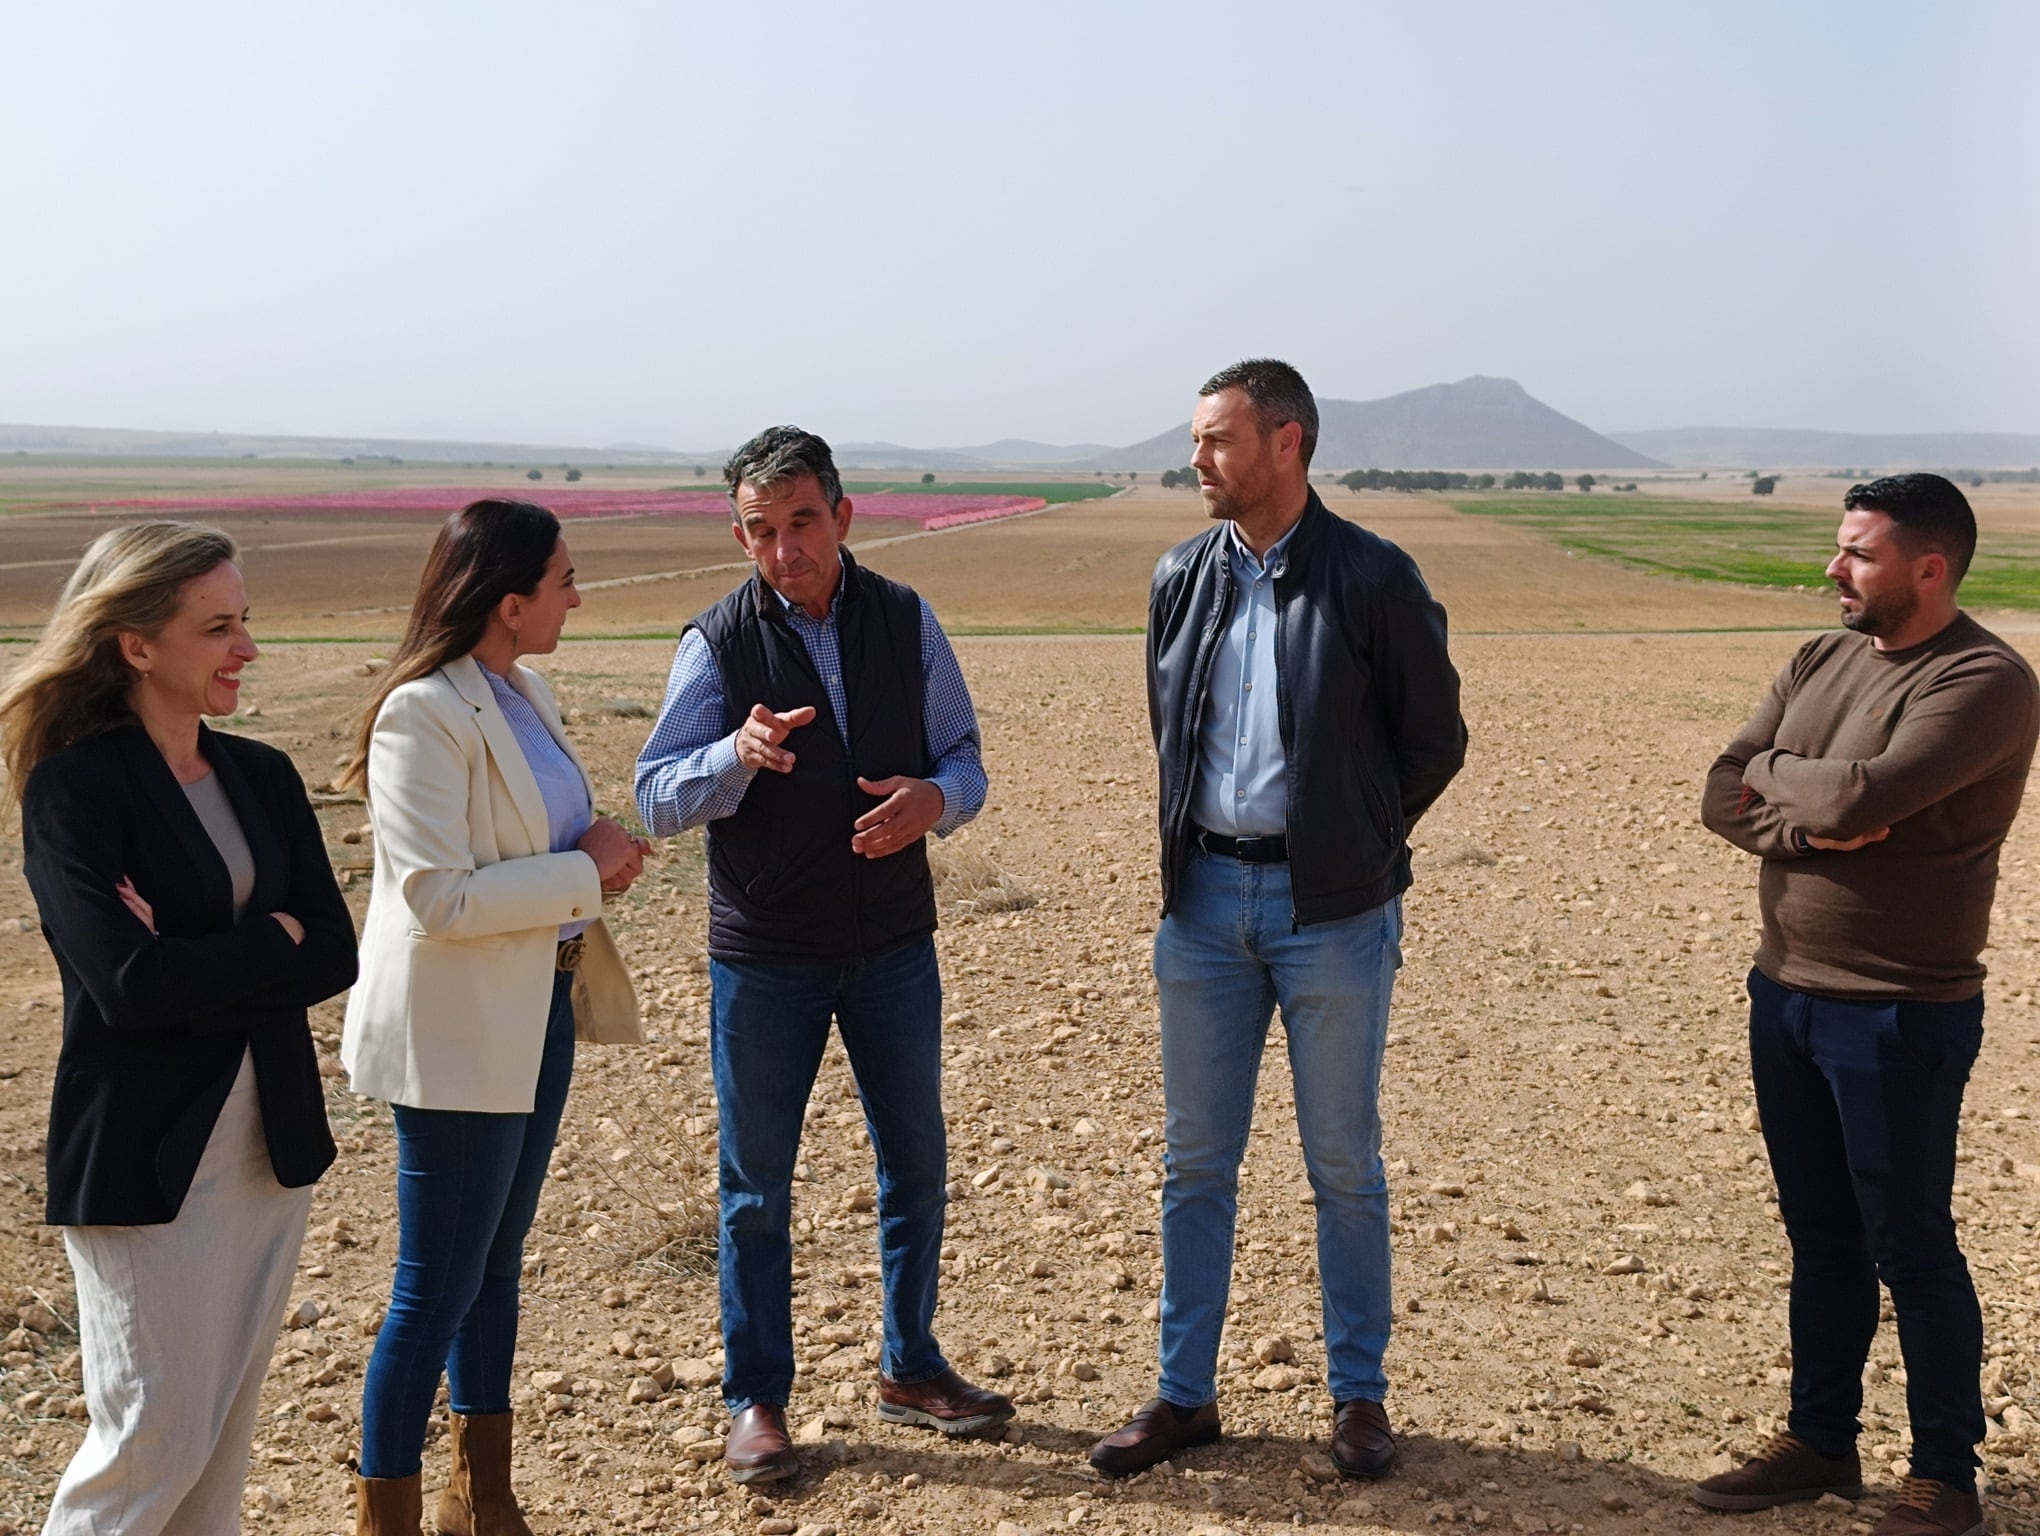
point(969, 879)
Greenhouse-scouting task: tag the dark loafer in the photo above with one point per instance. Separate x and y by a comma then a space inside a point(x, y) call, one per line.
point(759, 1449)
point(1362, 1443)
point(1153, 1435)
point(946, 1402)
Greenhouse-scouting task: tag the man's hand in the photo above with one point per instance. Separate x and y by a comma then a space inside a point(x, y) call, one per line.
point(759, 738)
point(1846, 844)
point(911, 809)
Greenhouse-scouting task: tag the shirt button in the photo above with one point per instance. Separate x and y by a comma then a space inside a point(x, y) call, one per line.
point(1238, 794)
point(1243, 741)
point(1260, 584)
point(1250, 687)
point(577, 911)
point(1250, 635)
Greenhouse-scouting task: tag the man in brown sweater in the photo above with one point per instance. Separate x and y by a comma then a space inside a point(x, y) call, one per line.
point(1877, 783)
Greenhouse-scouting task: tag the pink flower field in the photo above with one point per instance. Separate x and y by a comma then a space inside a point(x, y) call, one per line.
point(930, 512)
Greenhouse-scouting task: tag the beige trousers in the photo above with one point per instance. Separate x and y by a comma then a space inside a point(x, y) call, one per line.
point(176, 1324)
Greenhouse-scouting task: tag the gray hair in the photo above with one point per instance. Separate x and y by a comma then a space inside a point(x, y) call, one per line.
point(1277, 393)
point(780, 454)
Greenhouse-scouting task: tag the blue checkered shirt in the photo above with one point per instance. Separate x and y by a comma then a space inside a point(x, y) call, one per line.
point(688, 772)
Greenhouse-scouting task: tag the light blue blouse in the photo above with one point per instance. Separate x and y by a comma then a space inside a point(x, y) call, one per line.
point(568, 812)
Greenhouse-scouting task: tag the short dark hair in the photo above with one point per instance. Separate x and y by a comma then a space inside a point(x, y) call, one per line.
point(1277, 393)
point(780, 454)
point(1931, 513)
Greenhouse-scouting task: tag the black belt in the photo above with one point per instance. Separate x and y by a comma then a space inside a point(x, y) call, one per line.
point(1248, 850)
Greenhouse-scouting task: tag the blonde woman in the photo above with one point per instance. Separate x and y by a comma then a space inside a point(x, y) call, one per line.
point(483, 954)
point(185, 892)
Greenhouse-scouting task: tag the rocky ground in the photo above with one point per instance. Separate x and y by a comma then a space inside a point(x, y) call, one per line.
point(1589, 1270)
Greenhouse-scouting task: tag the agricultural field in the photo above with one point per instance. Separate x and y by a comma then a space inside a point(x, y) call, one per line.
point(1589, 1270)
point(1761, 541)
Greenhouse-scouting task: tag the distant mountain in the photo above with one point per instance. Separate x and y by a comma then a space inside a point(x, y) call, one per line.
point(1478, 423)
point(1757, 447)
point(132, 443)
point(1018, 450)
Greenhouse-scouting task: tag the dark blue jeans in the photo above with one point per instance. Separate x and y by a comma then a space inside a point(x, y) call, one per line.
point(771, 1023)
point(467, 1188)
point(1860, 1103)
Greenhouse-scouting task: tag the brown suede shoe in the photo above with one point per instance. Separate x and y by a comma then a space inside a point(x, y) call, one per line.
point(1153, 1435)
point(946, 1402)
point(1362, 1444)
point(1785, 1471)
point(1928, 1508)
point(759, 1449)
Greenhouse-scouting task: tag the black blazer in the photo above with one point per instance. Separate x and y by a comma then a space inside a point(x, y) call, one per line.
point(155, 1025)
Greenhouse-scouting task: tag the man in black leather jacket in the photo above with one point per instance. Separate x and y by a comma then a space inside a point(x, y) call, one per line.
point(1305, 712)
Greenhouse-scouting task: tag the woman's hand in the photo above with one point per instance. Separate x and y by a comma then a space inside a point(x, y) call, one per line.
point(619, 857)
point(291, 926)
point(135, 904)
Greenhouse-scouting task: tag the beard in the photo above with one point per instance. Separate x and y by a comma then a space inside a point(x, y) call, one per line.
point(1885, 616)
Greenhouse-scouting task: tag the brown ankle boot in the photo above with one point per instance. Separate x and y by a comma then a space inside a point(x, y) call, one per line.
point(388, 1506)
point(478, 1500)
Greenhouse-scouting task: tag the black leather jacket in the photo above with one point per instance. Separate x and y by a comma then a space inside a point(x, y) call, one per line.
point(1367, 697)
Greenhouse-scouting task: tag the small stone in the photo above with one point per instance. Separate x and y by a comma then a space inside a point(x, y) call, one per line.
point(303, 1315)
point(614, 1296)
point(1569, 1450)
point(1628, 1264)
point(1614, 1502)
point(1441, 1232)
point(847, 1393)
point(1040, 1269)
point(321, 1413)
point(552, 1383)
point(1047, 1178)
point(814, 1431)
point(1010, 1528)
point(862, 1509)
point(696, 1373)
point(1643, 1194)
point(1278, 1378)
point(1319, 1467)
point(1581, 1355)
point(707, 1450)
point(777, 1525)
point(1083, 1370)
point(1449, 1190)
point(691, 1434)
point(1274, 1349)
point(643, 1389)
point(997, 1366)
point(1085, 1126)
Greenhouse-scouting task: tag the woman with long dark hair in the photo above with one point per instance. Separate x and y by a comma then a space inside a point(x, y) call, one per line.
point(186, 895)
point(483, 955)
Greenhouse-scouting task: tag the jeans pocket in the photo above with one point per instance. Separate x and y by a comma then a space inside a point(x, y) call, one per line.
point(1938, 1038)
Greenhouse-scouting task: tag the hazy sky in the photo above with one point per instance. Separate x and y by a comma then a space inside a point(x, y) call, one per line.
point(946, 223)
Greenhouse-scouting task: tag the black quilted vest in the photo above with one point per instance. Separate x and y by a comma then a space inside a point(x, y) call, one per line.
point(783, 884)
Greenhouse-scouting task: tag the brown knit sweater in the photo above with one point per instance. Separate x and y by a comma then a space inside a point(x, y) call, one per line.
point(1933, 742)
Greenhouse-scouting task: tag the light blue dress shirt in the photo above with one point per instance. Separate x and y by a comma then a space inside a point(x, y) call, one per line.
point(688, 772)
point(567, 811)
point(1240, 790)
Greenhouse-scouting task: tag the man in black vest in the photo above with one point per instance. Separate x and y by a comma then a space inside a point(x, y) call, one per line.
point(816, 723)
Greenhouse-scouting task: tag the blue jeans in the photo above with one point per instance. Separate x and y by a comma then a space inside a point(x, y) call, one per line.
point(1225, 956)
point(467, 1188)
point(1860, 1104)
point(770, 1025)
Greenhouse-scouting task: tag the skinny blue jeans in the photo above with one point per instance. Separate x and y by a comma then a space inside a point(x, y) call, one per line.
point(770, 1024)
point(1226, 956)
point(467, 1189)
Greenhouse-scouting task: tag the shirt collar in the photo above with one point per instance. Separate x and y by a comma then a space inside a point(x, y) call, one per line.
point(794, 610)
point(1275, 550)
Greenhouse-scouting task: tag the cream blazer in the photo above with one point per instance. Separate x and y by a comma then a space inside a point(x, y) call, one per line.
point(458, 949)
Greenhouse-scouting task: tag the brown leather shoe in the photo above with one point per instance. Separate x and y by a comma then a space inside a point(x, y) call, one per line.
point(1362, 1443)
point(1929, 1508)
point(946, 1402)
point(388, 1506)
point(759, 1449)
point(1786, 1471)
point(1153, 1435)
point(478, 1500)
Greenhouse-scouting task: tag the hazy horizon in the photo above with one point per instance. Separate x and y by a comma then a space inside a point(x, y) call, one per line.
point(938, 226)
